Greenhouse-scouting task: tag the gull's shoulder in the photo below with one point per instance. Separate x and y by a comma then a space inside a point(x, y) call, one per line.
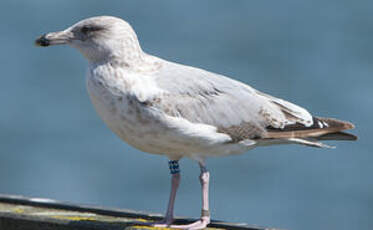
point(179, 78)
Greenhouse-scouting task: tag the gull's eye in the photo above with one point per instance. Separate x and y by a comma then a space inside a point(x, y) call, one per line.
point(87, 29)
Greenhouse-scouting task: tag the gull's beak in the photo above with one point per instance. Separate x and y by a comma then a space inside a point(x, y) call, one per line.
point(54, 38)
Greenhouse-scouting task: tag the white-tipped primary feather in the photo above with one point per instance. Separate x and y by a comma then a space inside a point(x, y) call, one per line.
point(310, 143)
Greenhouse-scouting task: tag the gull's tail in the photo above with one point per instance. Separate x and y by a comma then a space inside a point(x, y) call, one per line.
point(322, 129)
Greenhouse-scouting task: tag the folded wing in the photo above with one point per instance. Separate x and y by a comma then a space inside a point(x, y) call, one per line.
point(236, 109)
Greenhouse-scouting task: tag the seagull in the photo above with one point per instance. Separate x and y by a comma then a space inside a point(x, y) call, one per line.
point(178, 111)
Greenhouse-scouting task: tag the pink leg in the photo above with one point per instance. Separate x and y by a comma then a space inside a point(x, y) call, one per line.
point(205, 213)
point(175, 181)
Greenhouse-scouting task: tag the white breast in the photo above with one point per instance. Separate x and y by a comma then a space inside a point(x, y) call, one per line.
point(112, 101)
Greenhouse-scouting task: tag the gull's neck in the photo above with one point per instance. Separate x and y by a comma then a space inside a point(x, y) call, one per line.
point(127, 55)
point(129, 61)
point(139, 63)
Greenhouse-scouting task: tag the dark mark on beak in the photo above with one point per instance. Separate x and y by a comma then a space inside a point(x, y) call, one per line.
point(42, 41)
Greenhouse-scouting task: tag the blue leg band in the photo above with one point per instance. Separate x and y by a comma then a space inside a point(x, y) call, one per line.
point(174, 167)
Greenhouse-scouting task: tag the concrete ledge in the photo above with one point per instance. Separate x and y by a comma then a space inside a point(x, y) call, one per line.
point(20, 213)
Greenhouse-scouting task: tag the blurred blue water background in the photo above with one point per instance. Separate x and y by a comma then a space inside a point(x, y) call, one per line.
point(315, 53)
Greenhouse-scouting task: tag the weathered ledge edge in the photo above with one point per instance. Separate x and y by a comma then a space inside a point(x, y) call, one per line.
point(18, 212)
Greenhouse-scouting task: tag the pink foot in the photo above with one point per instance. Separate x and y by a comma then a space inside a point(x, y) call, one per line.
point(199, 224)
point(166, 222)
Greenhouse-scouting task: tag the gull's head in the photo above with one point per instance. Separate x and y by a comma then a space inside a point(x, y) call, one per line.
point(97, 38)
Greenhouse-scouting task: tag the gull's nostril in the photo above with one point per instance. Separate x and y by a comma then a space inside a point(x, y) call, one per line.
point(42, 41)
